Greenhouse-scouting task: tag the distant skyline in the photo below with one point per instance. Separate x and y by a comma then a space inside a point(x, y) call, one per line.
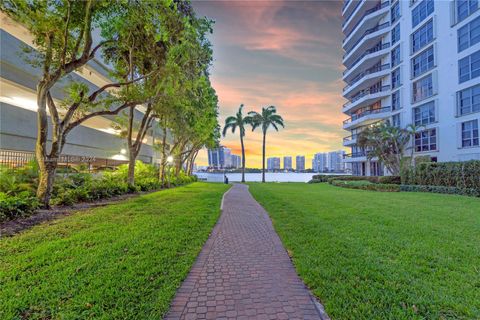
point(285, 53)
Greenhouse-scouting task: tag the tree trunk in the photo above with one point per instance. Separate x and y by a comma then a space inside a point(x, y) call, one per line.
point(263, 157)
point(164, 156)
point(45, 182)
point(243, 158)
point(131, 167)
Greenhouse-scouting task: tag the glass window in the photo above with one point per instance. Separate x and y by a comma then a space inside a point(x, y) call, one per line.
point(422, 89)
point(396, 120)
point(422, 37)
point(469, 67)
point(423, 62)
point(420, 12)
point(465, 8)
point(396, 33)
point(470, 133)
point(469, 34)
point(396, 100)
point(395, 56)
point(395, 12)
point(426, 140)
point(424, 114)
point(396, 78)
point(468, 100)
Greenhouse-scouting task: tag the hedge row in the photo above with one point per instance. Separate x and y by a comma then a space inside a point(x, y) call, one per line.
point(382, 180)
point(461, 175)
point(440, 189)
point(365, 185)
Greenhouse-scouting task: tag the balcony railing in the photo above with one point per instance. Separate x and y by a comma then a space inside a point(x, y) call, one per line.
point(367, 52)
point(350, 138)
point(366, 33)
point(365, 93)
point(366, 73)
point(379, 6)
point(351, 14)
point(356, 154)
point(366, 113)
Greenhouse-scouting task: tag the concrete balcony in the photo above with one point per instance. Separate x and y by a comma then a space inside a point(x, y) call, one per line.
point(349, 8)
point(368, 59)
point(365, 98)
point(369, 20)
point(367, 40)
point(366, 79)
point(355, 157)
point(366, 118)
point(350, 140)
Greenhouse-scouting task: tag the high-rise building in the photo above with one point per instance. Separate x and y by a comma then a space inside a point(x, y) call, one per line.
point(413, 62)
point(335, 161)
point(287, 163)
point(273, 163)
point(300, 163)
point(216, 158)
point(227, 154)
point(319, 162)
point(236, 161)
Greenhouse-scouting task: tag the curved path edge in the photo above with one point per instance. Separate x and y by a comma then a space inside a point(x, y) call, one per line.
point(243, 271)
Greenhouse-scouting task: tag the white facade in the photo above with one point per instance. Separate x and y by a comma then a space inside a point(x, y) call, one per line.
point(329, 161)
point(300, 163)
point(413, 62)
point(287, 163)
point(273, 163)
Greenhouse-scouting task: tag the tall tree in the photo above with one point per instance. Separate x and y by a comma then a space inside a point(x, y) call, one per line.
point(63, 42)
point(234, 122)
point(268, 118)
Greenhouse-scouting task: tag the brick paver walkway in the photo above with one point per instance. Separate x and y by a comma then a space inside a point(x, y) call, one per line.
point(243, 271)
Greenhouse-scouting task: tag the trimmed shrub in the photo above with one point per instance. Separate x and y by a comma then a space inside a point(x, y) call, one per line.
point(440, 189)
point(461, 175)
point(354, 178)
point(390, 180)
point(22, 204)
point(365, 185)
point(318, 178)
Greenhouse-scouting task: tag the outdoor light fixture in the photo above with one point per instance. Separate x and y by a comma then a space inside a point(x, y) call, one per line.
point(123, 151)
point(169, 159)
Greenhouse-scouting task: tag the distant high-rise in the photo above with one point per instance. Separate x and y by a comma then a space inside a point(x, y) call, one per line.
point(236, 161)
point(329, 161)
point(319, 162)
point(216, 157)
point(300, 163)
point(273, 163)
point(287, 163)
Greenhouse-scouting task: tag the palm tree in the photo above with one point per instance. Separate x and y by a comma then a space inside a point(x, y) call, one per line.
point(238, 121)
point(267, 118)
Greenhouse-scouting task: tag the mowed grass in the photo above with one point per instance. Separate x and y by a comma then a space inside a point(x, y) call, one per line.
point(123, 261)
point(378, 255)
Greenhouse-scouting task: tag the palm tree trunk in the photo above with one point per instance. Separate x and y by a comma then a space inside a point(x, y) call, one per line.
point(243, 159)
point(263, 157)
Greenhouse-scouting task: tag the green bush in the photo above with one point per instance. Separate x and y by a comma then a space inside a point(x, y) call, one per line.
point(354, 178)
point(390, 180)
point(318, 178)
point(365, 185)
point(440, 189)
point(15, 206)
point(461, 175)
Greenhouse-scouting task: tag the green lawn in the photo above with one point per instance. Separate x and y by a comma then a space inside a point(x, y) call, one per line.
point(123, 261)
point(376, 255)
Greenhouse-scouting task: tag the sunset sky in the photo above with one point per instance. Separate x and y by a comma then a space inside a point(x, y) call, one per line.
point(282, 53)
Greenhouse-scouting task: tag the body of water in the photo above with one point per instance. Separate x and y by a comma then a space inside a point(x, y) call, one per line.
point(257, 177)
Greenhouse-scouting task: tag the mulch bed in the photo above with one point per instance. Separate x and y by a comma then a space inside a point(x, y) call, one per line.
point(12, 227)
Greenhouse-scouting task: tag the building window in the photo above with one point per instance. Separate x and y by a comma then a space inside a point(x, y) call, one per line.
point(426, 140)
point(465, 8)
point(423, 36)
point(396, 101)
point(376, 168)
point(396, 33)
point(468, 100)
point(469, 67)
point(396, 78)
point(396, 120)
point(424, 114)
point(395, 56)
point(470, 134)
point(420, 12)
point(423, 62)
point(469, 34)
point(422, 89)
point(395, 12)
